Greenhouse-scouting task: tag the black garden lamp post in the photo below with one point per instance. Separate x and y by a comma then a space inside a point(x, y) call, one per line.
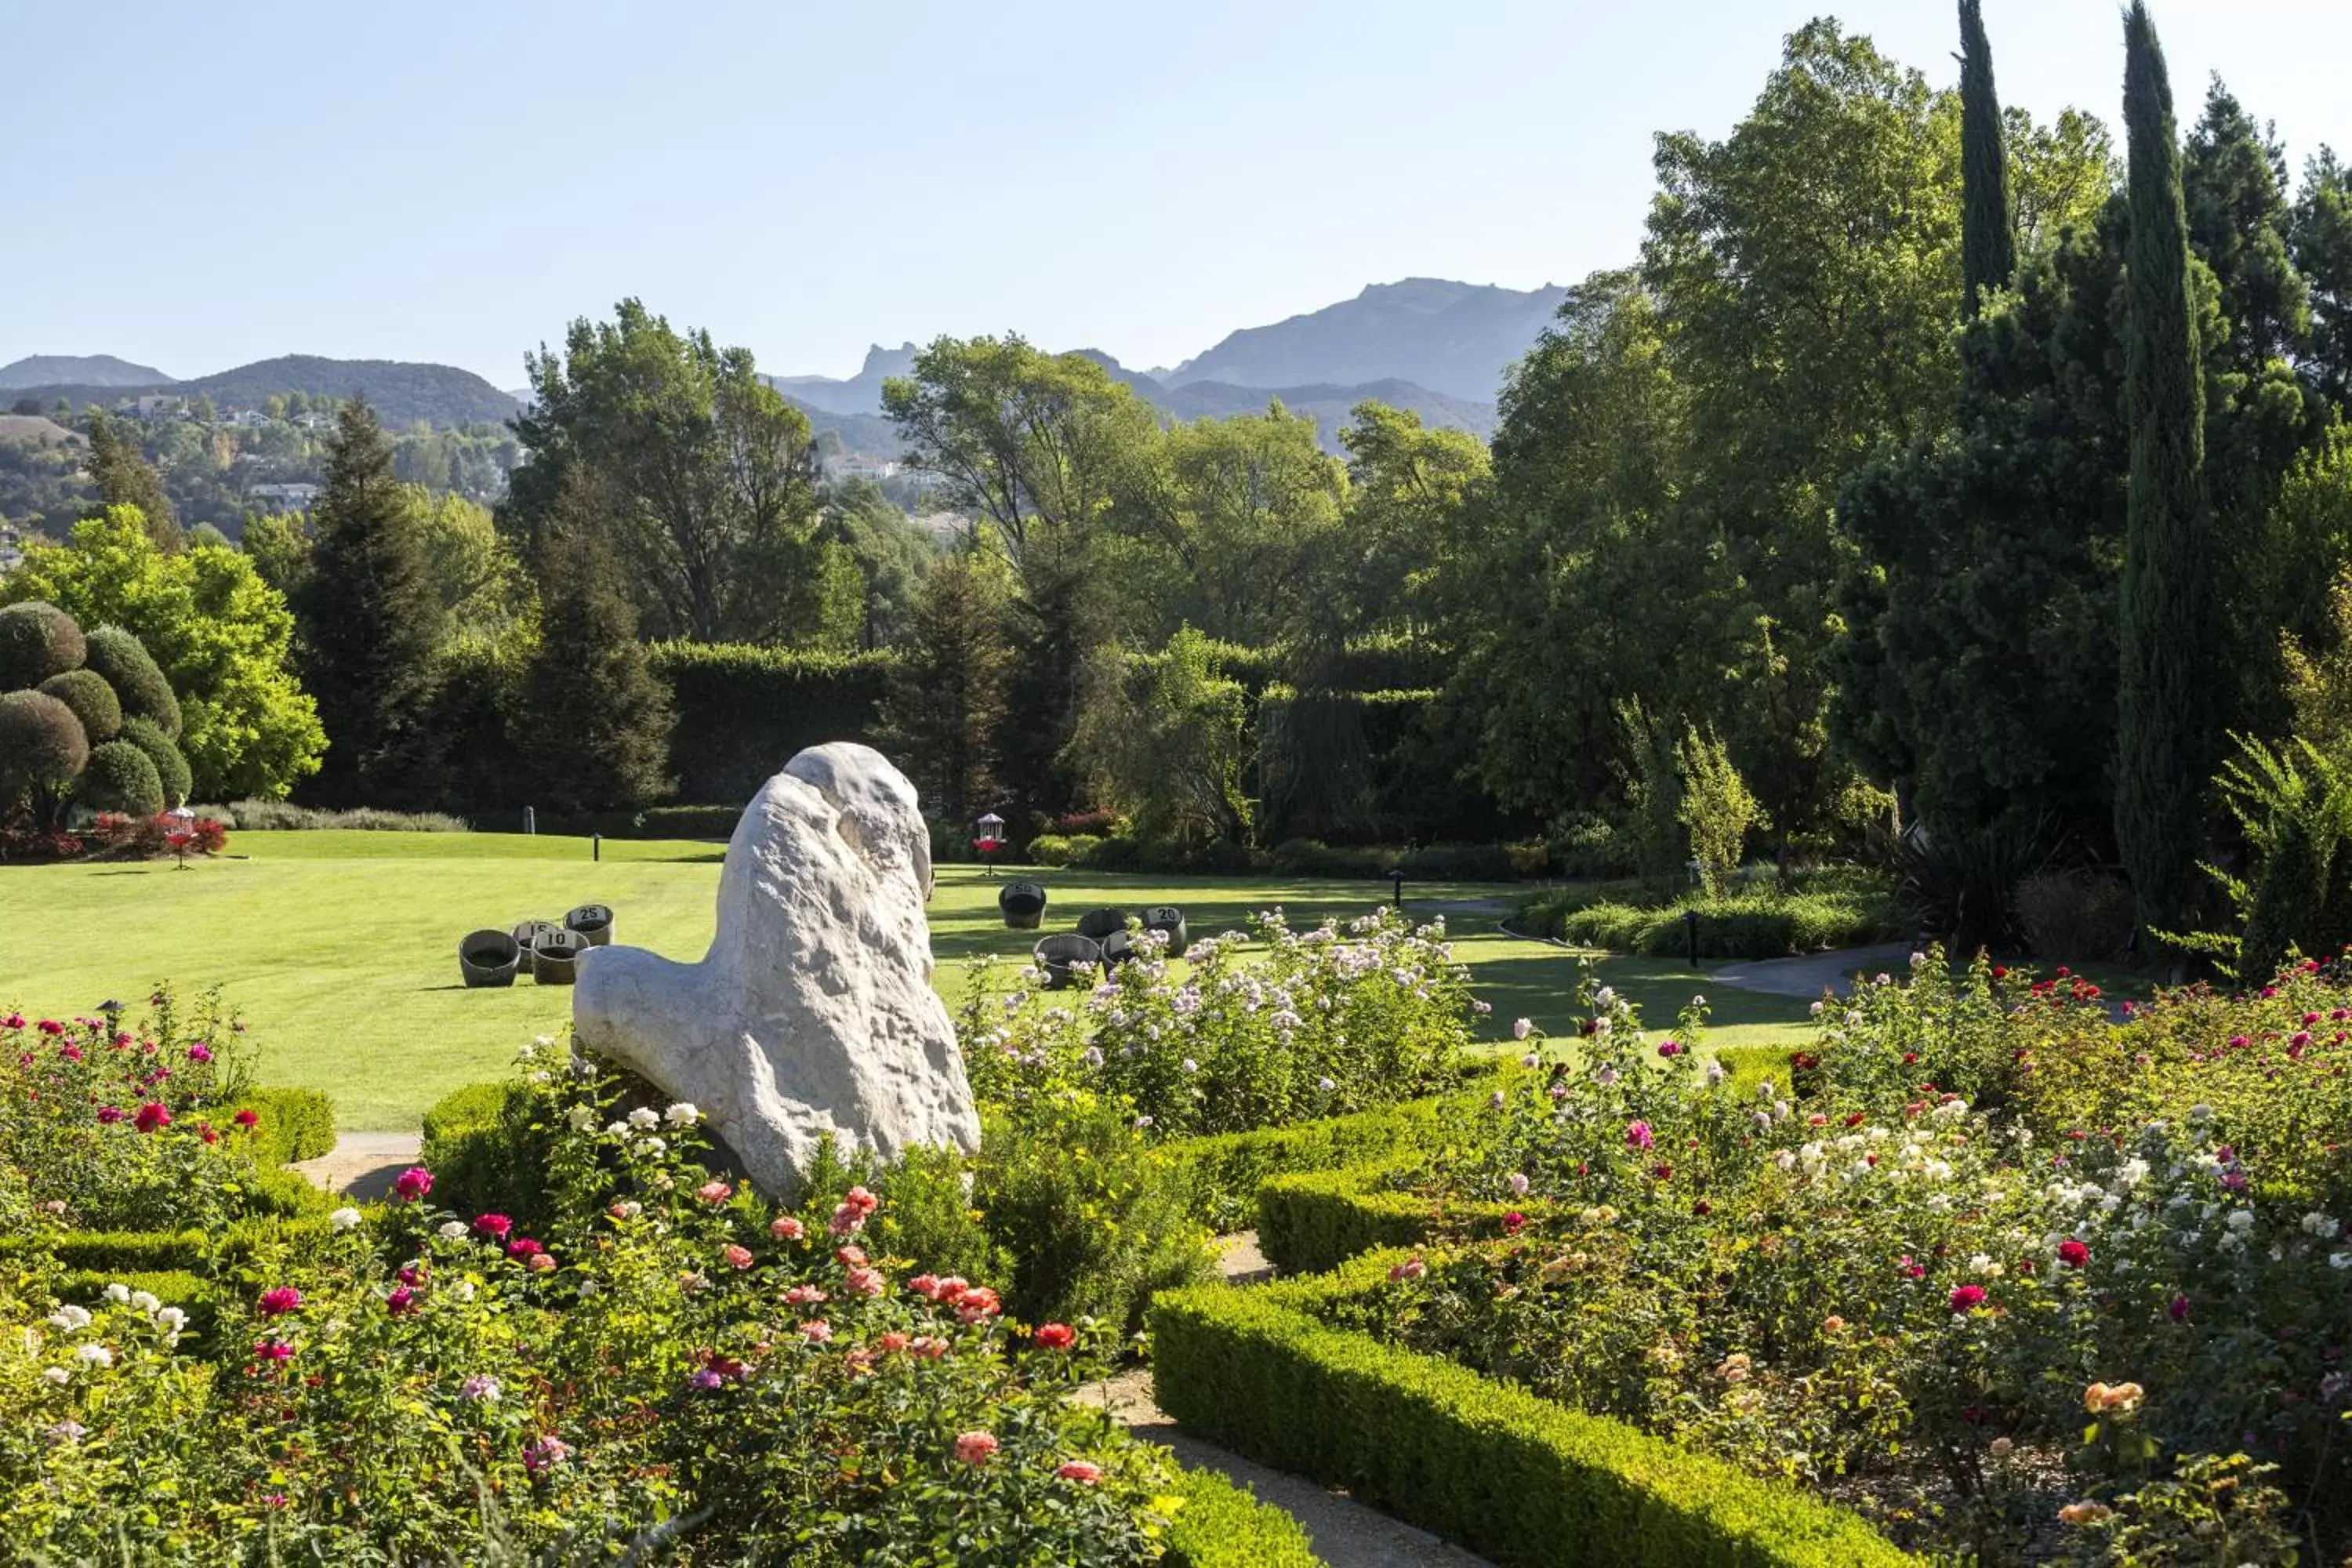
point(1395, 874)
point(988, 838)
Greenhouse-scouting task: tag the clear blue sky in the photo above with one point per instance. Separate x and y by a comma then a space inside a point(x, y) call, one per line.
point(195, 187)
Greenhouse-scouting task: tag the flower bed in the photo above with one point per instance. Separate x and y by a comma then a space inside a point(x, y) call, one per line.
point(660, 1366)
point(2010, 1279)
point(1316, 1024)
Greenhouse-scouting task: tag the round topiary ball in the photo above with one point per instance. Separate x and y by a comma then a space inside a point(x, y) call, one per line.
point(91, 699)
point(136, 677)
point(36, 640)
point(42, 746)
point(119, 777)
point(171, 767)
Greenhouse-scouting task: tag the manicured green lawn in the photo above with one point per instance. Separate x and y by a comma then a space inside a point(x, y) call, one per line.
point(339, 947)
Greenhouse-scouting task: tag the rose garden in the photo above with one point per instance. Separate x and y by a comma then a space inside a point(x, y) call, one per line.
point(1755, 970)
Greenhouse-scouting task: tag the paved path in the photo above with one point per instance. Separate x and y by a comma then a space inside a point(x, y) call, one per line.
point(1816, 971)
point(364, 1163)
point(1348, 1533)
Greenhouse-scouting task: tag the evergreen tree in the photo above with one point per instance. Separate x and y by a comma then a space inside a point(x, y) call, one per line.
point(2167, 695)
point(125, 477)
point(1988, 231)
point(595, 723)
point(370, 623)
point(947, 703)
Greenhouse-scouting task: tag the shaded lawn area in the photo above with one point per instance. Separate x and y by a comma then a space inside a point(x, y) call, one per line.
point(339, 947)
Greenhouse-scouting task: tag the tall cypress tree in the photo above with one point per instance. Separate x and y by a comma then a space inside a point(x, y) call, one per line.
point(2168, 693)
point(1988, 231)
point(369, 622)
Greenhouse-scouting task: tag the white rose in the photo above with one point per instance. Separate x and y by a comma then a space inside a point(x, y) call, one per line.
point(96, 1355)
point(146, 1301)
point(117, 1294)
point(453, 1230)
point(682, 1114)
point(60, 1375)
point(581, 1118)
point(645, 1116)
point(171, 1320)
point(345, 1218)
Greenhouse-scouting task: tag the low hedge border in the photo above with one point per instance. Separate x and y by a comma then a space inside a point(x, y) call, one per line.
point(1227, 1169)
point(290, 1123)
point(1486, 1465)
point(1310, 1221)
point(1221, 1525)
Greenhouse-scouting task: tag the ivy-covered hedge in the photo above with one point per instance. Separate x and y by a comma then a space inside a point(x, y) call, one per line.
point(1493, 1468)
point(1221, 1526)
point(743, 710)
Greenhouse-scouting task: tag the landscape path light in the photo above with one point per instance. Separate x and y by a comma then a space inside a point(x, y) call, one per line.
point(988, 838)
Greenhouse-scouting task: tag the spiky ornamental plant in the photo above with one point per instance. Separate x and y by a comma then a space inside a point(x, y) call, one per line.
point(2169, 692)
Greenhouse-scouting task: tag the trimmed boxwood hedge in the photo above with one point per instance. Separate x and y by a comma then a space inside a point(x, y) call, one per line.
point(484, 1154)
point(1488, 1465)
point(1226, 1170)
point(1308, 1221)
point(294, 1123)
point(1221, 1526)
point(744, 710)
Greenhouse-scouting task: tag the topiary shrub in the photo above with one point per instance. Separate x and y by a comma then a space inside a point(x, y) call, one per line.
point(119, 777)
point(38, 640)
point(42, 747)
point(171, 768)
point(138, 682)
point(92, 701)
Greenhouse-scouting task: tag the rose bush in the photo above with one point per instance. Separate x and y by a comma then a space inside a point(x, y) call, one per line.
point(664, 1365)
point(1251, 1031)
point(1981, 1255)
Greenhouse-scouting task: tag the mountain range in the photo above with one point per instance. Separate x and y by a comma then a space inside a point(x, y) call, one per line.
point(1436, 347)
point(403, 393)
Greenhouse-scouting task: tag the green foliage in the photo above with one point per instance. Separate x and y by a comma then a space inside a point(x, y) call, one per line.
point(595, 722)
point(1162, 742)
point(1311, 1221)
point(487, 1146)
point(2293, 805)
point(1757, 923)
point(42, 748)
point(1716, 808)
point(743, 710)
point(706, 473)
point(171, 768)
point(1988, 234)
point(120, 777)
point(123, 477)
point(1090, 1222)
point(946, 696)
point(221, 635)
point(2170, 690)
point(1491, 1467)
point(371, 620)
point(1222, 1526)
point(92, 701)
point(138, 682)
point(292, 1123)
point(38, 640)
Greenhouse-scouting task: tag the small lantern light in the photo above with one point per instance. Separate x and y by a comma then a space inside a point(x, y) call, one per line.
point(180, 832)
point(988, 838)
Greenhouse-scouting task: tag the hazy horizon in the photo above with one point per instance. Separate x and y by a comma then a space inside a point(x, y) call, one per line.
point(204, 189)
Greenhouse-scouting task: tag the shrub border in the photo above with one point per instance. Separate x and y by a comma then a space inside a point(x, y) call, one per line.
point(1486, 1465)
point(1222, 1525)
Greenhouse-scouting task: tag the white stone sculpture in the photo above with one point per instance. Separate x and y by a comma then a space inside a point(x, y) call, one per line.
point(814, 1011)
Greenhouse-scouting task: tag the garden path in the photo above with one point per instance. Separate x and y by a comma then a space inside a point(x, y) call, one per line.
point(1815, 972)
point(1348, 1533)
point(364, 1163)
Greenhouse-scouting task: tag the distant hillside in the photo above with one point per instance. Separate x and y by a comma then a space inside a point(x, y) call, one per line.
point(403, 393)
point(1451, 338)
point(84, 370)
point(1330, 405)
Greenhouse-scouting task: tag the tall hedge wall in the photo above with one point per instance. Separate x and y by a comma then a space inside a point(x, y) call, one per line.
point(743, 710)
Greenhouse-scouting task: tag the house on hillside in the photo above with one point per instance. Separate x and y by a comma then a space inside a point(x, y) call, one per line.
point(158, 406)
point(285, 497)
